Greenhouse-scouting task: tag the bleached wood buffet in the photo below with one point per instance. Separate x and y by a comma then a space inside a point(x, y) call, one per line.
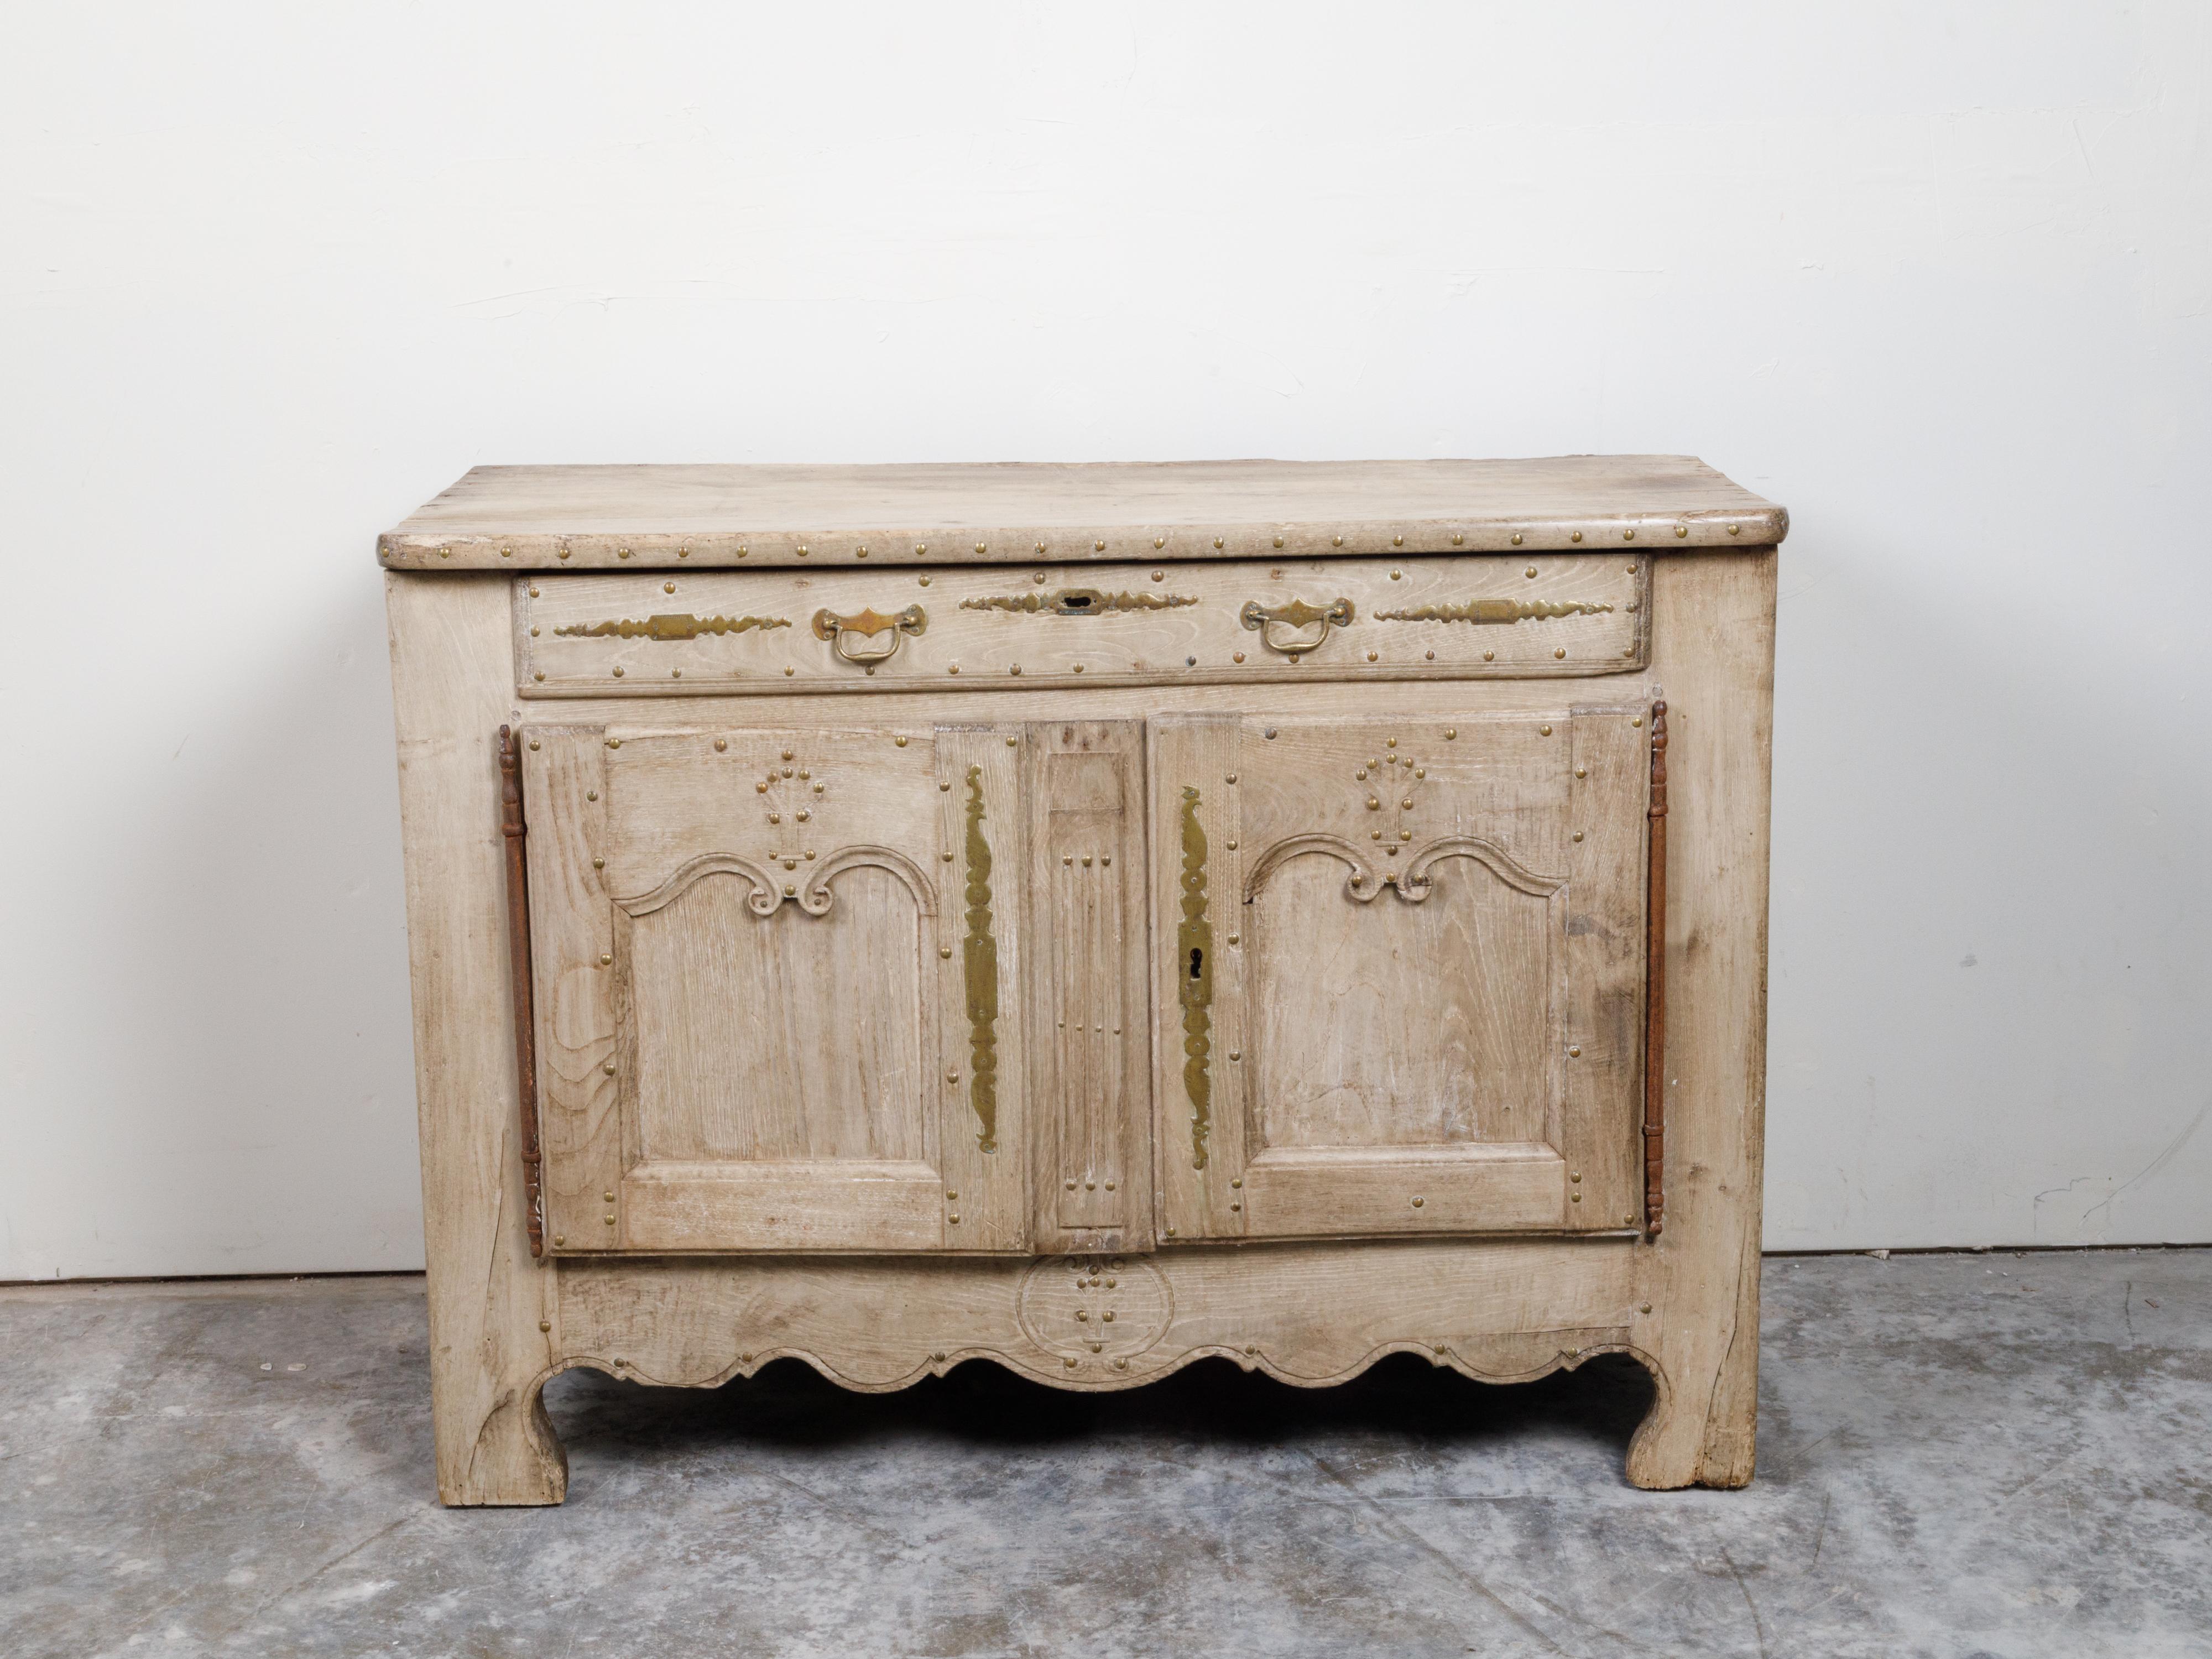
point(1089, 918)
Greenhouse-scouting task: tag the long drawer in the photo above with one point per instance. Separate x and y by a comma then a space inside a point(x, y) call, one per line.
point(881, 629)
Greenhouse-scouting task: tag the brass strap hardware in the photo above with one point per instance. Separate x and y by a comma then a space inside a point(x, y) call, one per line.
point(865, 626)
point(1655, 988)
point(669, 627)
point(1078, 602)
point(1296, 615)
point(1195, 979)
point(981, 963)
point(1495, 611)
point(512, 830)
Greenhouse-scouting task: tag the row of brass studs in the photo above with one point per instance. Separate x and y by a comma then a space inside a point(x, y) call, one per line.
point(921, 549)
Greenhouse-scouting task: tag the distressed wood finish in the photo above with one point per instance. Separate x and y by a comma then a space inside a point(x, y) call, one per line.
point(950, 1028)
point(571, 518)
point(754, 632)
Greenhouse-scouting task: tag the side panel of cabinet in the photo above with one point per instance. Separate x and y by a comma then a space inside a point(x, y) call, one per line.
point(1399, 972)
point(1090, 1052)
point(778, 977)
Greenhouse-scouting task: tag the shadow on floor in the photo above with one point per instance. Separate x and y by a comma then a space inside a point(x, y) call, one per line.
point(1402, 1398)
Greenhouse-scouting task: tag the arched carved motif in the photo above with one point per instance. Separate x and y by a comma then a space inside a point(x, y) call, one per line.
point(1412, 880)
point(808, 887)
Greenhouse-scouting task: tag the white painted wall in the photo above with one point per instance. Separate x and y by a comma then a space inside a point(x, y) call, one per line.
point(1937, 276)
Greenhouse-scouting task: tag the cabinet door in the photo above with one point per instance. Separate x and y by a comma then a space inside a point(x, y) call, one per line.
point(1399, 972)
point(776, 980)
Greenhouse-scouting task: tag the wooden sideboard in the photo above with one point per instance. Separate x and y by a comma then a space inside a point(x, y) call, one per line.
point(1090, 917)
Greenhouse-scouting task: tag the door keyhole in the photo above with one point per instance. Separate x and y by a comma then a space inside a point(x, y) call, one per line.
point(1197, 961)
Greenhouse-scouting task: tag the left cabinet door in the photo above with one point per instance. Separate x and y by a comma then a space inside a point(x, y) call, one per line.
point(775, 978)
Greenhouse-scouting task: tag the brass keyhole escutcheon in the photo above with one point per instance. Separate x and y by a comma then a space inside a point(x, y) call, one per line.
point(865, 628)
point(1298, 618)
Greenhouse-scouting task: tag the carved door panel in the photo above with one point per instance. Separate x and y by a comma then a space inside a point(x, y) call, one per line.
point(777, 985)
point(1400, 975)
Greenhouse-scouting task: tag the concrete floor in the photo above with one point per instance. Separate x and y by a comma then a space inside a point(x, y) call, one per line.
point(1960, 1454)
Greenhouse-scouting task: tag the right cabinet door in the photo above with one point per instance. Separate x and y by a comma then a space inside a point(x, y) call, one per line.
point(1399, 971)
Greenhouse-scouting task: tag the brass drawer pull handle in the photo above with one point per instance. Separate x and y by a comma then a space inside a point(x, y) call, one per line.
point(1296, 615)
point(865, 626)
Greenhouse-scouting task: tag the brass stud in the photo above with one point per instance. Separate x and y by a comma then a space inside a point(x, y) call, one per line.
point(946, 788)
point(945, 951)
point(1451, 731)
point(539, 675)
point(1642, 1307)
point(1071, 1185)
point(1544, 730)
point(1397, 576)
point(1233, 940)
point(1574, 1051)
point(947, 857)
point(925, 581)
point(1171, 1232)
point(1217, 542)
point(668, 587)
point(545, 1324)
point(721, 744)
point(1428, 656)
point(1530, 573)
point(1581, 771)
point(1418, 1202)
point(1040, 547)
point(900, 741)
point(742, 549)
point(675, 673)
point(506, 552)
point(1397, 541)
point(1490, 656)
point(1236, 1207)
point(1578, 834)
point(1457, 539)
point(1681, 530)
point(954, 1219)
point(1012, 742)
point(1628, 535)
point(1405, 834)
point(1390, 742)
point(1232, 777)
point(1190, 662)
point(1038, 576)
point(609, 1068)
point(1558, 651)
point(979, 547)
point(591, 794)
point(1734, 528)
point(920, 548)
point(860, 552)
point(1232, 848)
point(560, 1238)
point(1635, 720)
point(788, 671)
point(1359, 880)
point(599, 864)
point(1517, 538)
point(1575, 1197)
point(1016, 669)
point(606, 961)
point(618, 673)
point(1237, 656)
point(952, 668)
point(1269, 734)
point(563, 553)
point(607, 1197)
point(533, 742)
point(683, 552)
point(1097, 547)
point(622, 552)
point(1336, 541)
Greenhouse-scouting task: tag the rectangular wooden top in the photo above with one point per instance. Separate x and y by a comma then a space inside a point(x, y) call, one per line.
point(602, 518)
